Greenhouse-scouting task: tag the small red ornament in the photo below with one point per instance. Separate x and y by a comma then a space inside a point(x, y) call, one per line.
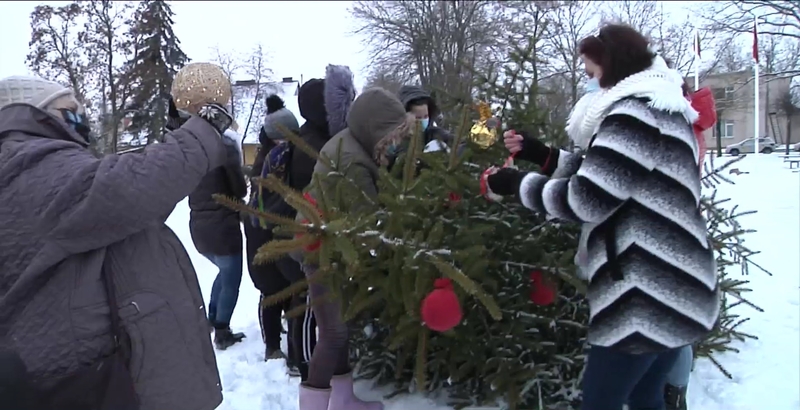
point(543, 290)
point(452, 199)
point(313, 246)
point(307, 196)
point(441, 310)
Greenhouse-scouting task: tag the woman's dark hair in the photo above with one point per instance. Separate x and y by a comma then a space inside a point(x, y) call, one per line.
point(619, 50)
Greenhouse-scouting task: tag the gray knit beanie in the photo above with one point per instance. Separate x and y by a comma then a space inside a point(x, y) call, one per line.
point(285, 118)
point(30, 90)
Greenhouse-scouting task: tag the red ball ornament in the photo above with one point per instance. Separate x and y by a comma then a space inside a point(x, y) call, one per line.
point(441, 310)
point(543, 290)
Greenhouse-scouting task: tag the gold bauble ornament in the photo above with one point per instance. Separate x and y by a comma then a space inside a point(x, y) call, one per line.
point(197, 84)
point(484, 132)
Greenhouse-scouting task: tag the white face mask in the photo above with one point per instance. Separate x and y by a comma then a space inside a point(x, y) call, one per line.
point(592, 85)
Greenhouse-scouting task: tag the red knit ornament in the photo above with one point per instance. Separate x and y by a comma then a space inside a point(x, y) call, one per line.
point(441, 310)
point(313, 246)
point(543, 290)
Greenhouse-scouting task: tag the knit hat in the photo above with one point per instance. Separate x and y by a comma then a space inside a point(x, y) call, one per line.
point(278, 114)
point(30, 90)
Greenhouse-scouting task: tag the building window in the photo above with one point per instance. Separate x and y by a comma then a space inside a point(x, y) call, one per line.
point(727, 129)
point(729, 92)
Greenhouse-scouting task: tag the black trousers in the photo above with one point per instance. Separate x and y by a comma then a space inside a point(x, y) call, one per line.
point(270, 279)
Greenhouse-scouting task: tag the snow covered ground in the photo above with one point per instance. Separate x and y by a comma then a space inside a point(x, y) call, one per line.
point(766, 372)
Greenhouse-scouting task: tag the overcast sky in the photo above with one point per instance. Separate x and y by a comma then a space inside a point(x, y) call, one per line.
point(301, 36)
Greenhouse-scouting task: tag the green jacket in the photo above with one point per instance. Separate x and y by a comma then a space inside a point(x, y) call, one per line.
point(376, 120)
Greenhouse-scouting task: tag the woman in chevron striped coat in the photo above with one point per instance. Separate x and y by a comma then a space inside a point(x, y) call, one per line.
point(636, 191)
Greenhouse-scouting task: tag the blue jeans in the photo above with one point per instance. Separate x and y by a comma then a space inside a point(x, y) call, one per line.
point(225, 291)
point(679, 375)
point(613, 378)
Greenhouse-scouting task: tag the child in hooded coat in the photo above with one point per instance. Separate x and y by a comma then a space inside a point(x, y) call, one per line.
point(377, 123)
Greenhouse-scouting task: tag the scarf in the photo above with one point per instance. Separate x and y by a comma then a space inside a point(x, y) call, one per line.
point(659, 84)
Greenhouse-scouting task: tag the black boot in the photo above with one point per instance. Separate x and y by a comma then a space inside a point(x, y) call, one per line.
point(224, 338)
point(675, 397)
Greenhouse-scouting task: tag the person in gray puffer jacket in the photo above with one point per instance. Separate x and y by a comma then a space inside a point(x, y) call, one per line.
point(69, 219)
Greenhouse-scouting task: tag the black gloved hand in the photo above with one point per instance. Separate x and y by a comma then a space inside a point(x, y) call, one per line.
point(506, 181)
point(175, 117)
point(217, 116)
point(537, 152)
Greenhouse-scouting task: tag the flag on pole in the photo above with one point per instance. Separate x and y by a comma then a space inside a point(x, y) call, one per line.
point(755, 40)
point(697, 44)
point(756, 99)
point(697, 59)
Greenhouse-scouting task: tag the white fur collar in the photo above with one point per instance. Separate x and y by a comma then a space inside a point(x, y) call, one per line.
point(659, 84)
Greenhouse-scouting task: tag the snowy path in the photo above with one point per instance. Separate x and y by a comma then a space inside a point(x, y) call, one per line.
point(766, 372)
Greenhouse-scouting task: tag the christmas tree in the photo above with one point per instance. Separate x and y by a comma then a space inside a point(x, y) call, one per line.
point(157, 59)
point(508, 319)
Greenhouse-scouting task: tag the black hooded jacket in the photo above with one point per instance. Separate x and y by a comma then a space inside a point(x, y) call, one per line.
point(215, 228)
point(414, 94)
point(311, 101)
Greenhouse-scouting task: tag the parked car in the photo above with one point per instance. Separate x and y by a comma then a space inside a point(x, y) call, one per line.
point(766, 145)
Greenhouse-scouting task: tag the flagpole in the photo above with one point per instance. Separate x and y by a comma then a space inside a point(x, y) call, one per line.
point(696, 60)
point(756, 99)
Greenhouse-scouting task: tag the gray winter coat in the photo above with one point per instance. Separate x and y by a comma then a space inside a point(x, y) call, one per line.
point(63, 213)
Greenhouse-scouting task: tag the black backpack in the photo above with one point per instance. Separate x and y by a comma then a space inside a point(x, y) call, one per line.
point(278, 163)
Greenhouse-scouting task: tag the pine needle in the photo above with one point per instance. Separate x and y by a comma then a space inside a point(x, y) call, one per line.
point(299, 143)
point(292, 197)
point(239, 206)
point(285, 294)
point(276, 249)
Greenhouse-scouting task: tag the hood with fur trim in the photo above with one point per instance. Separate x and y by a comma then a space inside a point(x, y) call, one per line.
point(324, 103)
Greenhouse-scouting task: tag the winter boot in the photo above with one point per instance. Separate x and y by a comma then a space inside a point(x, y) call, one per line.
point(313, 399)
point(224, 338)
point(675, 397)
point(272, 354)
point(343, 397)
point(292, 370)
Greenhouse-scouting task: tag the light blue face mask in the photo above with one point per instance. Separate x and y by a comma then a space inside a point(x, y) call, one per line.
point(592, 85)
point(425, 122)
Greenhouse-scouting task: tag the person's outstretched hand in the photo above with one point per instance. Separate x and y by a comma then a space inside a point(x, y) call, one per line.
point(175, 117)
point(505, 181)
point(528, 148)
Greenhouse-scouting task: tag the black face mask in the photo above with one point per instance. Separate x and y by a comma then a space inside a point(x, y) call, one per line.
point(78, 122)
